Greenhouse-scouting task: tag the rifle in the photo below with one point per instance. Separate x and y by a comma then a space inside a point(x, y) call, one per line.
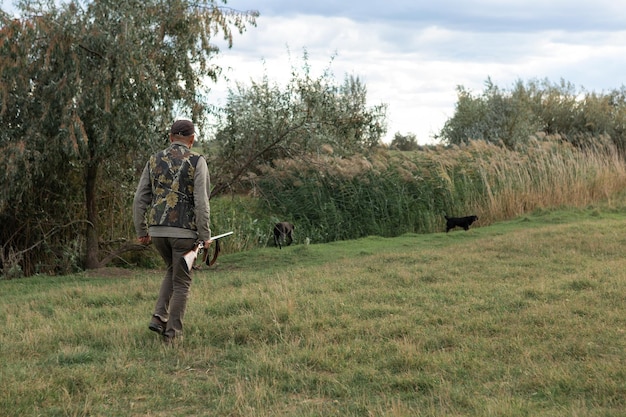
point(189, 258)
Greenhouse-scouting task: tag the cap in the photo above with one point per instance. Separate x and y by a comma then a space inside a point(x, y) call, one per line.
point(182, 127)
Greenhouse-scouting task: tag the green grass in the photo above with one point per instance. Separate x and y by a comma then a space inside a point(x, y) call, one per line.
point(521, 318)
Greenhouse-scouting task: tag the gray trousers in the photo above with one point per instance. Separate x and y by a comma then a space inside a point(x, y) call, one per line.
point(172, 301)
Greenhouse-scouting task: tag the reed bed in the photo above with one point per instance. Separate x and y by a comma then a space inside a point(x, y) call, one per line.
point(391, 193)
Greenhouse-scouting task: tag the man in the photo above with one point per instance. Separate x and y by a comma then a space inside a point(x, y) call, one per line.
point(171, 210)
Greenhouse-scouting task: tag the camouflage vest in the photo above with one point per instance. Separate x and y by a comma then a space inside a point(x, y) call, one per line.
point(171, 176)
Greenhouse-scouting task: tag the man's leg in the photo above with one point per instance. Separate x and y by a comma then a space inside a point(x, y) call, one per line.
point(161, 309)
point(181, 283)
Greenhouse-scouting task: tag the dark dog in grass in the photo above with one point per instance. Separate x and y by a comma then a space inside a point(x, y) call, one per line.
point(464, 222)
point(283, 234)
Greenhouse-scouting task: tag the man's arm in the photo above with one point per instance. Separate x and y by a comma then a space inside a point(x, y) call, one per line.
point(143, 198)
point(201, 192)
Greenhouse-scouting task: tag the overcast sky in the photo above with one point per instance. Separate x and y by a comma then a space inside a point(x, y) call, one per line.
point(412, 54)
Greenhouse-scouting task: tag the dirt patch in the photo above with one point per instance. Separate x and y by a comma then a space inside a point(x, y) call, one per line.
point(109, 272)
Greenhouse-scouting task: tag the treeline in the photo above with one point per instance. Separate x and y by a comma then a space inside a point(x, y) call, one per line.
point(512, 117)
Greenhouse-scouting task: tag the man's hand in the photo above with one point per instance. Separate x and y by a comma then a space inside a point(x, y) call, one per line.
point(205, 253)
point(144, 240)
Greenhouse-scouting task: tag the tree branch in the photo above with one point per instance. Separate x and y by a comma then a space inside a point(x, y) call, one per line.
point(243, 168)
point(128, 247)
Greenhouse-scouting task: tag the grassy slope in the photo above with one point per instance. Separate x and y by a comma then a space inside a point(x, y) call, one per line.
point(522, 318)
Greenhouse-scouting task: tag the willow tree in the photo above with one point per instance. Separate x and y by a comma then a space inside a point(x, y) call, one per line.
point(264, 121)
point(92, 84)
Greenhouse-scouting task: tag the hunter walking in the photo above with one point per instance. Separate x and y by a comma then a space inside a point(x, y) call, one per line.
point(171, 210)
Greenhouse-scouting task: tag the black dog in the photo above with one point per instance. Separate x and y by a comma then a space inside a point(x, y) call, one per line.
point(464, 222)
point(283, 232)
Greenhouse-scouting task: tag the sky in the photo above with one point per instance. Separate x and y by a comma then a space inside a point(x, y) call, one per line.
point(413, 54)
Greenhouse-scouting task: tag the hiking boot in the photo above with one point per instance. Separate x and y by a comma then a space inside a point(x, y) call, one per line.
point(157, 325)
point(172, 340)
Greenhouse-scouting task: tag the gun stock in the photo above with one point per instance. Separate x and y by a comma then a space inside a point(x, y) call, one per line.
point(189, 258)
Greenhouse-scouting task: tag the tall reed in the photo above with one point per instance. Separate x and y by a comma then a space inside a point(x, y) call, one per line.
point(390, 193)
point(549, 174)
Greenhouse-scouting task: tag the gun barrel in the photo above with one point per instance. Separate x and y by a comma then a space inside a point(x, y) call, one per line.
point(221, 236)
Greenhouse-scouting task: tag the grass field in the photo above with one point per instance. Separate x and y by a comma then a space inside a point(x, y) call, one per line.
point(520, 318)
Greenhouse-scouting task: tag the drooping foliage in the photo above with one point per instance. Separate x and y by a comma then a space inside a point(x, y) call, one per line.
point(265, 121)
point(88, 88)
